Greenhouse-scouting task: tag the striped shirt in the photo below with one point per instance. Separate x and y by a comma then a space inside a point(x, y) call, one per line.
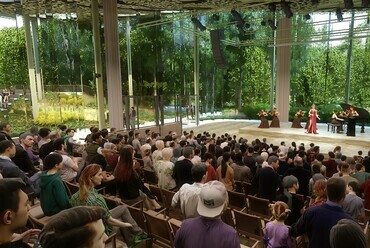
point(94, 199)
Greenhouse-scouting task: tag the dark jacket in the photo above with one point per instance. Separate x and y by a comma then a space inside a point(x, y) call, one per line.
point(317, 223)
point(53, 196)
point(22, 160)
point(303, 177)
point(182, 172)
point(268, 183)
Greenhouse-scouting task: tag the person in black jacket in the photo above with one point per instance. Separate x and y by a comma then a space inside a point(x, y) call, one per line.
point(182, 170)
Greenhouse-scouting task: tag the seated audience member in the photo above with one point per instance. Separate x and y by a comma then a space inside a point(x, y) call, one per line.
point(347, 233)
point(53, 196)
point(91, 177)
point(241, 171)
point(21, 158)
point(268, 174)
point(147, 159)
point(182, 170)
point(317, 222)
point(330, 164)
point(319, 193)
point(353, 205)
point(208, 230)
point(10, 170)
point(13, 214)
point(345, 174)
point(129, 184)
point(360, 174)
point(44, 134)
point(69, 169)
point(276, 233)
point(75, 227)
point(315, 176)
point(211, 172)
point(188, 195)
point(225, 173)
point(295, 205)
point(47, 148)
point(164, 170)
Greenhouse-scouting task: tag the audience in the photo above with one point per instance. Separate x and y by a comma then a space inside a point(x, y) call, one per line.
point(347, 233)
point(75, 227)
point(225, 172)
point(276, 233)
point(188, 195)
point(13, 214)
point(53, 196)
point(317, 222)
point(353, 205)
point(208, 230)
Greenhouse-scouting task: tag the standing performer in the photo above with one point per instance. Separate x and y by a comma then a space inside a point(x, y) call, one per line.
point(264, 122)
point(297, 119)
point(275, 119)
point(313, 116)
point(351, 114)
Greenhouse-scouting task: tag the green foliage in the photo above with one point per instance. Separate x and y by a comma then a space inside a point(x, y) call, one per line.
point(252, 110)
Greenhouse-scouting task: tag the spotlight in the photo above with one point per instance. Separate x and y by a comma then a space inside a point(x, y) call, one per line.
point(272, 24)
point(215, 17)
point(286, 8)
point(198, 24)
point(365, 3)
point(307, 17)
point(237, 17)
point(348, 4)
point(339, 15)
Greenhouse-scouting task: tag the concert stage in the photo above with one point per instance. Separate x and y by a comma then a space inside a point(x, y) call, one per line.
point(325, 139)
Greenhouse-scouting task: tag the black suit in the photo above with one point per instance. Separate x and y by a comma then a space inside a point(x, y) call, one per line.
point(303, 177)
point(268, 183)
point(182, 172)
point(22, 160)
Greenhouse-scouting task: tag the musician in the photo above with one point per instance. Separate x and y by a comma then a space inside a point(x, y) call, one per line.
point(275, 119)
point(297, 119)
point(351, 114)
point(263, 116)
point(336, 120)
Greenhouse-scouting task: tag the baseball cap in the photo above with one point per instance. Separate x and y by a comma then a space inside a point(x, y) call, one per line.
point(212, 199)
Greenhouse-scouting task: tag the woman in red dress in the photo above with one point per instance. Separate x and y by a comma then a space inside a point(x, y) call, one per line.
point(311, 128)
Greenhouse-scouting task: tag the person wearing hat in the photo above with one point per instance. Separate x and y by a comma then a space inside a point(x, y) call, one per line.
point(208, 230)
point(21, 158)
point(13, 214)
point(53, 196)
point(296, 206)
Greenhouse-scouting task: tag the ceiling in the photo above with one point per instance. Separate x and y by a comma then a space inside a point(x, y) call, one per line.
point(82, 7)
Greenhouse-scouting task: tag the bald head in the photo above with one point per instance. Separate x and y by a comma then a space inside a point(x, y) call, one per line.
point(298, 161)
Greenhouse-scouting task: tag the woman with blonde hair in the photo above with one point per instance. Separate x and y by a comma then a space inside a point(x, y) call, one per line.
point(120, 216)
point(157, 154)
point(276, 233)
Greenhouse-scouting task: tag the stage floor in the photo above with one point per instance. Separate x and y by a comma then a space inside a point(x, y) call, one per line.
point(325, 139)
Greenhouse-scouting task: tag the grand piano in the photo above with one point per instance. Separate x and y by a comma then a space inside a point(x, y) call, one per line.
point(363, 115)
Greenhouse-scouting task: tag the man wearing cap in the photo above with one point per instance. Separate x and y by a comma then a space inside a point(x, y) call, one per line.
point(21, 158)
point(188, 195)
point(267, 180)
point(318, 221)
point(13, 214)
point(208, 230)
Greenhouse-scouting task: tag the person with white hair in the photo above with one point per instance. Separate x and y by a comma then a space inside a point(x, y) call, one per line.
point(164, 170)
point(157, 154)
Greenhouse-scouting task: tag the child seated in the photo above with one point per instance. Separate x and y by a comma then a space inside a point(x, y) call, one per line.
point(276, 233)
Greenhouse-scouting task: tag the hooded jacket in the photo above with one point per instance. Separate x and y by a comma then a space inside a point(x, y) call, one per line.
point(53, 196)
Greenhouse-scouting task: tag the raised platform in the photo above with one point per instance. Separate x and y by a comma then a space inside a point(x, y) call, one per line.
point(325, 139)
